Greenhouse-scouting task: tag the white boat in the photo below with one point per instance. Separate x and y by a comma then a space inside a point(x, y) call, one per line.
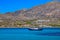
point(36, 29)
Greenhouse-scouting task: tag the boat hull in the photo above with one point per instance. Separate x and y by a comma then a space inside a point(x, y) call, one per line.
point(33, 29)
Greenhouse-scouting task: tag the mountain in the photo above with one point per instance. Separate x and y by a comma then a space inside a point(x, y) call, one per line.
point(47, 11)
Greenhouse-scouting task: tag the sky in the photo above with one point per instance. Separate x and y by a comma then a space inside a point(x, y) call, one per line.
point(14, 5)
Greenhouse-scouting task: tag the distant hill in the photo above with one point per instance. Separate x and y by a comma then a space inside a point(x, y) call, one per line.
point(47, 11)
point(51, 9)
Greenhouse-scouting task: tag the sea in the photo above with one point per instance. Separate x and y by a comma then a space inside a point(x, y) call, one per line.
point(26, 34)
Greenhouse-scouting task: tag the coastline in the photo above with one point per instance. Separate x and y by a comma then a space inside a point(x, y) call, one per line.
point(29, 27)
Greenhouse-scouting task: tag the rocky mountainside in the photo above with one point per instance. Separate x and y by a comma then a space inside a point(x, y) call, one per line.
point(42, 11)
point(47, 11)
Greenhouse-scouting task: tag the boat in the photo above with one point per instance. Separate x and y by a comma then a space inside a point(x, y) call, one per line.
point(35, 29)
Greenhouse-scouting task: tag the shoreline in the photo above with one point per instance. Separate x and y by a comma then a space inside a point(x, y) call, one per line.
point(28, 28)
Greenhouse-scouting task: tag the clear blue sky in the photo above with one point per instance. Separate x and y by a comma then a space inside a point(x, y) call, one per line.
point(13, 5)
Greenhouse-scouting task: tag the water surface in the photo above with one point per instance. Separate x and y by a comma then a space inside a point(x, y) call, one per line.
point(25, 34)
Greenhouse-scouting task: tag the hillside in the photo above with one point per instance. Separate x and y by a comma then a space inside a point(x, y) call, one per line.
point(49, 11)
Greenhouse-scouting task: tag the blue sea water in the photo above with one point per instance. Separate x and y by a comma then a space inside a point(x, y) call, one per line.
point(25, 34)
